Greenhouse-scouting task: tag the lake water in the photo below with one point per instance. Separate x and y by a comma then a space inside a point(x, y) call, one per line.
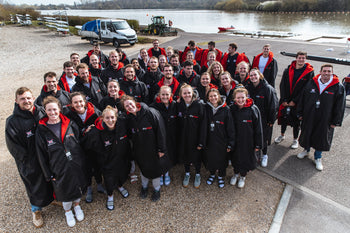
point(208, 21)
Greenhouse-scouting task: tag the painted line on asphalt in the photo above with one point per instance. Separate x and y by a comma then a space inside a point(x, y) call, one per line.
point(307, 190)
point(281, 210)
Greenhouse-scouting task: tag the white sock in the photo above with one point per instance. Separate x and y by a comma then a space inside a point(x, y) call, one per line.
point(121, 188)
point(110, 198)
point(187, 173)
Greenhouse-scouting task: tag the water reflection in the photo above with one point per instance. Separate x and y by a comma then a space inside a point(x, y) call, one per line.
point(207, 21)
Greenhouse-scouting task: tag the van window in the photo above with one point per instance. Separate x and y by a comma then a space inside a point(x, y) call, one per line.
point(120, 25)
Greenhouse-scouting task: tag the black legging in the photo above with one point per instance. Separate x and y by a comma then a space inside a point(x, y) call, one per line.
point(221, 172)
point(197, 166)
point(296, 129)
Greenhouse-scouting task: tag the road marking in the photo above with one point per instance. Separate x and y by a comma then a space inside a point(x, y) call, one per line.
point(307, 190)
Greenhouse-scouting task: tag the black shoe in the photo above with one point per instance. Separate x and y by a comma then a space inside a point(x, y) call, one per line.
point(156, 195)
point(144, 193)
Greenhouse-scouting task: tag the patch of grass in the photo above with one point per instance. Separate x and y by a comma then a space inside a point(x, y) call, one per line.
point(144, 40)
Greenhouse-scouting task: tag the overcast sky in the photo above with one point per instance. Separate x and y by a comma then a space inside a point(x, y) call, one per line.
point(39, 2)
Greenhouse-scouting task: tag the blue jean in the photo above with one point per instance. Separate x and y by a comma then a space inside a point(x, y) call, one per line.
point(317, 154)
point(35, 208)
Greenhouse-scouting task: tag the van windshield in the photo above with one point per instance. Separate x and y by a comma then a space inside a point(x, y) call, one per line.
point(120, 25)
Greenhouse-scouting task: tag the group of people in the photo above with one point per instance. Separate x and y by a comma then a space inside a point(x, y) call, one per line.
point(107, 114)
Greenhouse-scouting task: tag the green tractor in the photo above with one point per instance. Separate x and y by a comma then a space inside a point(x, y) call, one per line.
point(159, 27)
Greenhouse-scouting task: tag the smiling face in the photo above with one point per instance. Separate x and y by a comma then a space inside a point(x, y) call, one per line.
point(156, 44)
point(266, 51)
point(113, 89)
point(53, 112)
point(205, 80)
point(162, 61)
point(94, 61)
point(213, 98)
point(84, 74)
point(165, 95)
point(130, 106)
point(243, 70)
point(75, 59)
point(114, 58)
point(51, 83)
point(168, 72)
point(174, 61)
point(110, 118)
point(300, 60)
point(254, 77)
point(25, 101)
point(153, 64)
point(225, 80)
point(187, 94)
point(143, 54)
point(240, 99)
point(216, 70)
point(189, 56)
point(69, 71)
point(326, 74)
point(129, 73)
point(211, 58)
point(135, 64)
point(79, 104)
point(188, 70)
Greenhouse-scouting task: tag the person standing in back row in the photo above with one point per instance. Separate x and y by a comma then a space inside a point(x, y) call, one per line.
point(267, 64)
point(293, 82)
point(321, 108)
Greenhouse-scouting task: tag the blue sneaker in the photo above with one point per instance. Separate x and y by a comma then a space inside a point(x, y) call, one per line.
point(167, 180)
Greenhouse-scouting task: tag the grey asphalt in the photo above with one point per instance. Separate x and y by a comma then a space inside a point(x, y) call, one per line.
point(320, 201)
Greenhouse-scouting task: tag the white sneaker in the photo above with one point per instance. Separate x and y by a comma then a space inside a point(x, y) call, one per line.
point(79, 214)
point(295, 144)
point(241, 182)
point(279, 139)
point(319, 165)
point(264, 161)
point(70, 218)
point(302, 154)
point(234, 179)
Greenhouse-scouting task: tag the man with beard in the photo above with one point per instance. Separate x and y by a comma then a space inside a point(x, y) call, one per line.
point(267, 64)
point(321, 108)
point(51, 88)
point(20, 140)
point(75, 58)
point(155, 51)
point(153, 74)
point(174, 61)
point(167, 80)
point(131, 85)
point(114, 70)
point(211, 47)
point(91, 86)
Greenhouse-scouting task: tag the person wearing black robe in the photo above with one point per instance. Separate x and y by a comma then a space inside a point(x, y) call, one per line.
point(20, 140)
point(249, 136)
point(192, 125)
point(321, 108)
point(220, 137)
point(132, 86)
point(61, 158)
point(91, 86)
point(109, 141)
point(293, 81)
point(188, 75)
point(167, 107)
point(265, 98)
point(84, 114)
point(148, 136)
point(114, 70)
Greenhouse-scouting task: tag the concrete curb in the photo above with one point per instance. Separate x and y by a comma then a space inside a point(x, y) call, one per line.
point(281, 210)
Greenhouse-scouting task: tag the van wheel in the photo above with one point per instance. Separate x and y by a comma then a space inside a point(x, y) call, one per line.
point(132, 44)
point(115, 43)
